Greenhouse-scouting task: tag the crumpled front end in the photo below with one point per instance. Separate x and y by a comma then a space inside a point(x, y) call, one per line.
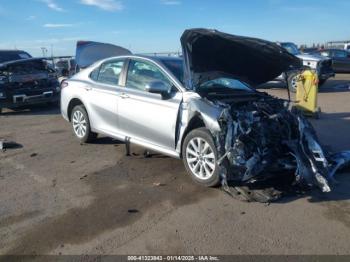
point(265, 138)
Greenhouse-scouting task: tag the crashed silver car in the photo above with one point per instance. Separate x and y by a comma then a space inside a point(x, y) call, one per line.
point(204, 109)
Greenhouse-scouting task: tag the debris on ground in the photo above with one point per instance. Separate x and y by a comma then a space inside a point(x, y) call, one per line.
point(147, 154)
point(83, 177)
point(133, 211)
point(4, 145)
point(268, 191)
point(158, 184)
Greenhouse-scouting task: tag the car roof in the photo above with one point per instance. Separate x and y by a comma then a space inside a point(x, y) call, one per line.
point(12, 51)
point(153, 58)
point(21, 61)
point(158, 58)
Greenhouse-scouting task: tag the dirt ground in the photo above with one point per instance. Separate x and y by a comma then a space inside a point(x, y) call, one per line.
point(60, 197)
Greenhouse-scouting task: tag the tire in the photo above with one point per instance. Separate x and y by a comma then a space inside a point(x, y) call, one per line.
point(202, 167)
point(81, 125)
point(292, 82)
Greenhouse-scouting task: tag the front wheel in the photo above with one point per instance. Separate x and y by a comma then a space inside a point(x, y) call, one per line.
point(81, 125)
point(200, 157)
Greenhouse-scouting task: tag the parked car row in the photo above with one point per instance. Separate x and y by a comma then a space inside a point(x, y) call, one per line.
point(340, 57)
point(25, 80)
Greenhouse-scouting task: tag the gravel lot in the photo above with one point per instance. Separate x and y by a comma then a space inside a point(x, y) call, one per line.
point(60, 197)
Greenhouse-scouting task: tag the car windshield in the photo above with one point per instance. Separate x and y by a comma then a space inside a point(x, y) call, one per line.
point(225, 83)
point(29, 67)
point(291, 48)
point(175, 66)
point(12, 56)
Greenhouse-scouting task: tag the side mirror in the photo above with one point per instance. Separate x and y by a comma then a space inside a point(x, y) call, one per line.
point(158, 87)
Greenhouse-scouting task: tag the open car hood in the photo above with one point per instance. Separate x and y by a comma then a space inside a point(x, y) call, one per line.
point(210, 54)
point(89, 52)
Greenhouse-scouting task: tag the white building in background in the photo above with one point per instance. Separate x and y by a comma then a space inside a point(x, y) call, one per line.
point(339, 44)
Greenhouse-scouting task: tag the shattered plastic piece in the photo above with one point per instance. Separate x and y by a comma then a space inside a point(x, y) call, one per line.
point(4, 145)
point(262, 195)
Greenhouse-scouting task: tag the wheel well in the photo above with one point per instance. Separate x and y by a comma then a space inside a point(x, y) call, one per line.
point(73, 103)
point(195, 122)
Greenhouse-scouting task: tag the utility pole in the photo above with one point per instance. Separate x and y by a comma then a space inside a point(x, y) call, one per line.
point(44, 50)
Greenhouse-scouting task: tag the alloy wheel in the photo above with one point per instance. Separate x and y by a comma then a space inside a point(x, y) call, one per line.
point(79, 124)
point(200, 158)
point(294, 83)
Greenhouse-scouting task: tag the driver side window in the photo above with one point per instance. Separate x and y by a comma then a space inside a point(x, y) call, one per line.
point(140, 74)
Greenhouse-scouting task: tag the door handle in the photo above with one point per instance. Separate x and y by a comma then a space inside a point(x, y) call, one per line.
point(87, 88)
point(124, 96)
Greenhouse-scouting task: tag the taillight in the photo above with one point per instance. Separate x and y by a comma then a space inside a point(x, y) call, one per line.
point(64, 84)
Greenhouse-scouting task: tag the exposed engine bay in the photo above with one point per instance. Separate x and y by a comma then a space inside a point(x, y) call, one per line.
point(263, 137)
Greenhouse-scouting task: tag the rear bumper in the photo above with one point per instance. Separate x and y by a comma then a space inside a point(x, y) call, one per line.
point(19, 100)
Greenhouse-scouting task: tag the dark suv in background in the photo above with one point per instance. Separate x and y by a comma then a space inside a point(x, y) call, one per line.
point(340, 57)
point(25, 80)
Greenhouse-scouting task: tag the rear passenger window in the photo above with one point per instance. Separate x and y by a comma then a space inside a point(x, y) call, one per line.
point(94, 74)
point(109, 72)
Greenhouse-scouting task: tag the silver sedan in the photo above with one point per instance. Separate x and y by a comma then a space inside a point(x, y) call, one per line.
point(202, 108)
point(141, 100)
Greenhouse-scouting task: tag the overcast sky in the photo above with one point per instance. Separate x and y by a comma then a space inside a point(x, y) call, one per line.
point(156, 25)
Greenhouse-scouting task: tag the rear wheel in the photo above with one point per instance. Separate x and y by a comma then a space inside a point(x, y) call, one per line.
point(81, 124)
point(200, 157)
